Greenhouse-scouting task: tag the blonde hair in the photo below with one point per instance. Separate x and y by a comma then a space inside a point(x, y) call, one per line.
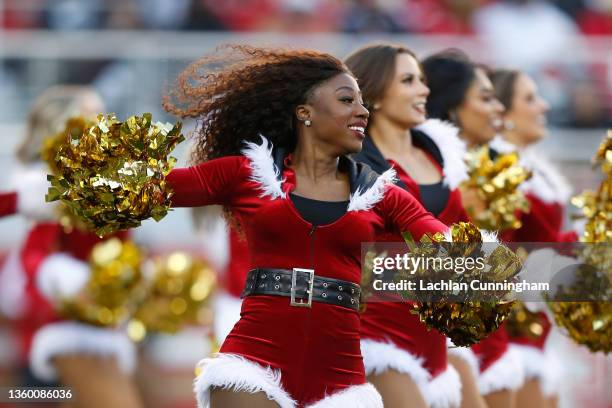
point(48, 115)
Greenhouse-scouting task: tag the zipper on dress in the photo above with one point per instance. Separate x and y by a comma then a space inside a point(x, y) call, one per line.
point(312, 245)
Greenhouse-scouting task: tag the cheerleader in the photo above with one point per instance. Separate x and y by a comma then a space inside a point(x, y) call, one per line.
point(463, 94)
point(548, 192)
point(403, 359)
point(273, 150)
point(94, 361)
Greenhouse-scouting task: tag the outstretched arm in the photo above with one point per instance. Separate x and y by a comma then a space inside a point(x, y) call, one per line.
point(404, 213)
point(212, 182)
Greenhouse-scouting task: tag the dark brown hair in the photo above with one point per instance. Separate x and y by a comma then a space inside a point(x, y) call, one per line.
point(374, 68)
point(240, 91)
point(504, 81)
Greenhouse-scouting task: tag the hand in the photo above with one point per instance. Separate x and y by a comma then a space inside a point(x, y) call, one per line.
point(472, 201)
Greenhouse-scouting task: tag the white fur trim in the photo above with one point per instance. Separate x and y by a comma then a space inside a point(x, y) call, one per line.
point(506, 373)
point(364, 200)
point(237, 373)
point(61, 276)
point(532, 359)
point(453, 149)
point(379, 357)
point(31, 185)
point(487, 236)
point(227, 313)
point(13, 282)
point(547, 182)
point(466, 354)
point(444, 390)
point(356, 396)
point(555, 370)
point(64, 338)
point(263, 170)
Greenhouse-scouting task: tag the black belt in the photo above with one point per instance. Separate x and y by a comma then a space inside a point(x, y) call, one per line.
point(302, 286)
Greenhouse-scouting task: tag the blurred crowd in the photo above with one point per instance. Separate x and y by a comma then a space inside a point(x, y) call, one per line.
point(591, 17)
point(567, 52)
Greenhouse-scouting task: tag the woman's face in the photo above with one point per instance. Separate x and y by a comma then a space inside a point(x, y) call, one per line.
point(338, 116)
point(480, 113)
point(404, 100)
point(527, 116)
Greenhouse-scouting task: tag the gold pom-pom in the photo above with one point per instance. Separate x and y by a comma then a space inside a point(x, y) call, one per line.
point(524, 323)
point(465, 321)
point(112, 174)
point(590, 323)
point(180, 287)
point(587, 323)
point(74, 127)
point(496, 183)
point(114, 287)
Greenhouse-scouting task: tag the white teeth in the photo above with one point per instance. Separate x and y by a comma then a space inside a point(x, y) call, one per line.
point(357, 128)
point(419, 105)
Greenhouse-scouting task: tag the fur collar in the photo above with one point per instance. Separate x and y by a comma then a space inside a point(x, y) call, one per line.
point(452, 148)
point(368, 190)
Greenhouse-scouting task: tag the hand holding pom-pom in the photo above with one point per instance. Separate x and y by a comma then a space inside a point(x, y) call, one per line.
point(112, 174)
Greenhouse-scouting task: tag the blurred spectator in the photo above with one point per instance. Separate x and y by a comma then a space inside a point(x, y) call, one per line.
point(241, 15)
point(74, 14)
point(525, 32)
point(442, 16)
point(21, 14)
point(369, 16)
point(301, 16)
point(596, 18)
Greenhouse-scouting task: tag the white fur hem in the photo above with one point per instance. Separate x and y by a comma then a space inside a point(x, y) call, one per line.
point(227, 313)
point(263, 170)
point(61, 276)
point(64, 338)
point(444, 390)
point(364, 200)
point(506, 373)
point(230, 371)
point(532, 359)
point(453, 150)
point(379, 357)
point(356, 396)
point(31, 185)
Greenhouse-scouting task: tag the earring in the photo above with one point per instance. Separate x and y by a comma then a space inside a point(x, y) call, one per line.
point(307, 123)
point(454, 118)
point(376, 106)
point(508, 125)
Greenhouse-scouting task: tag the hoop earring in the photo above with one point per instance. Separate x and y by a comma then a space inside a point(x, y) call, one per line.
point(307, 123)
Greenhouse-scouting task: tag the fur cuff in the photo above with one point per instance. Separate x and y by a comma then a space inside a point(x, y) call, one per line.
point(379, 357)
point(64, 338)
point(61, 276)
point(444, 390)
point(504, 374)
point(356, 396)
point(31, 185)
point(237, 373)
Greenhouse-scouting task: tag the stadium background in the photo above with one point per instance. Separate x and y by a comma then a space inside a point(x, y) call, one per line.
point(131, 51)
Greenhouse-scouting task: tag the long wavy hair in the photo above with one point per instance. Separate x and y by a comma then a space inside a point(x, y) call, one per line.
point(241, 91)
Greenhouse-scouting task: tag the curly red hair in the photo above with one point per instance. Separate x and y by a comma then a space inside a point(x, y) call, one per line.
point(242, 91)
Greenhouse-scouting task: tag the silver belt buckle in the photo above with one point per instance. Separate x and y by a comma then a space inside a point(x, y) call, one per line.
point(302, 302)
